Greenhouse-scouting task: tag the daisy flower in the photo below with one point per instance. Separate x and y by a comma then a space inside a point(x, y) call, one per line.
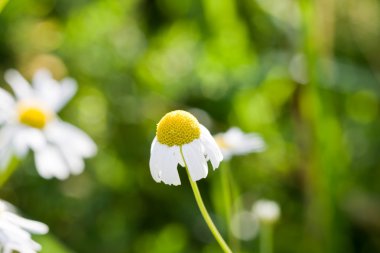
point(181, 139)
point(15, 231)
point(266, 211)
point(235, 142)
point(30, 122)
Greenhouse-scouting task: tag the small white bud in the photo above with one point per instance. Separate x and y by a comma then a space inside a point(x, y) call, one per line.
point(266, 211)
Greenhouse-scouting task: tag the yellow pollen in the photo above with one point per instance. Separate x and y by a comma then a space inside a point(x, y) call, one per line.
point(178, 128)
point(33, 116)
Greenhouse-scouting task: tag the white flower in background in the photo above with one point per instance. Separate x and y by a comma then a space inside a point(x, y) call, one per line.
point(30, 122)
point(235, 142)
point(15, 231)
point(266, 211)
point(180, 139)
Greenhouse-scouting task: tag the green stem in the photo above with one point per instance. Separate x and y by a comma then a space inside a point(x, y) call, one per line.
point(226, 188)
point(204, 212)
point(229, 196)
point(266, 238)
point(7, 172)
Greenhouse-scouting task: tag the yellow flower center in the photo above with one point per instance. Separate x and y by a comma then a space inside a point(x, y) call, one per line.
point(178, 128)
point(33, 115)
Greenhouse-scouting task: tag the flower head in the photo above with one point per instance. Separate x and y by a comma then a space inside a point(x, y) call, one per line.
point(235, 142)
point(30, 122)
point(181, 139)
point(15, 231)
point(266, 211)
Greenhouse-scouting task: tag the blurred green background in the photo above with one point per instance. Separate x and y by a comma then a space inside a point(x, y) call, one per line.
point(304, 74)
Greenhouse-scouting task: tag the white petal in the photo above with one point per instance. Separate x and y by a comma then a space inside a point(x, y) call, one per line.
point(253, 143)
point(238, 143)
point(20, 86)
point(28, 138)
point(5, 159)
point(6, 147)
point(50, 163)
point(22, 248)
point(154, 143)
point(70, 137)
point(12, 230)
point(7, 105)
point(29, 225)
point(163, 163)
point(68, 89)
point(157, 151)
point(73, 160)
point(55, 94)
point(241, 143)
point(212, 150)
point(195, 160)
point(15, 231)
point(169, 165)
point(46, 88)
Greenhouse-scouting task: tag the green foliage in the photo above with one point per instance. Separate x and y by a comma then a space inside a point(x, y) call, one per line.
point(303, 74)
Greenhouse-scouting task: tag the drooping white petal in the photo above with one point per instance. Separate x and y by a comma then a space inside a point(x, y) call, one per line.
point(70, 137)
point(20, 86)
point(50, 163)
point(28, 138)
point(154, 143)
point(157, 151)
point(212, 150)
point(163, 163)
point(195, 160)
point(169, 165)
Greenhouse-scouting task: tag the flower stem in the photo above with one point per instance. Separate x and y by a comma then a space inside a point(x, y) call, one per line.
point(204, 212)
point(8, 171)
point(266, 238)
point(230, 193)
point(226, 188)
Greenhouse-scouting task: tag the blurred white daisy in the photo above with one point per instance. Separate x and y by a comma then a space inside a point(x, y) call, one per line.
point(235, 142)
point(181, 139)
point(30, 121)
point(15, 231)
point(266, 211)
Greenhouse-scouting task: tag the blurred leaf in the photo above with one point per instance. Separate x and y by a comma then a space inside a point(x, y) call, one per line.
point(2, 4)
point(51, 244)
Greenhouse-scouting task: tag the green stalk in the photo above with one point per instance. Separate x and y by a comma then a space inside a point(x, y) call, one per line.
point(266, 238)
point(226, 188)
point(204, 212)
point(5, 174)
point(230, 193)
